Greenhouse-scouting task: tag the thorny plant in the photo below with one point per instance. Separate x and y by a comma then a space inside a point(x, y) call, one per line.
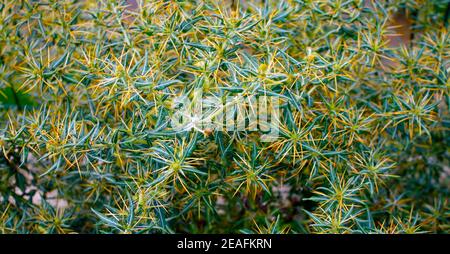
point(86, 145)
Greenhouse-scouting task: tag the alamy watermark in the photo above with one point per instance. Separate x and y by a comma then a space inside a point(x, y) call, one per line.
point(230, 113)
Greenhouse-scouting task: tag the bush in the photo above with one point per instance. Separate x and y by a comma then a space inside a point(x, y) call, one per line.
point(88, 92)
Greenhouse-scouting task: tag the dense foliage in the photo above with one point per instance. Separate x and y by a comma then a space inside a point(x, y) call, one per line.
point(85, 102)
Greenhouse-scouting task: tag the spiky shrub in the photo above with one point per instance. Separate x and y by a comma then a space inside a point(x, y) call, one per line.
point(85, 104)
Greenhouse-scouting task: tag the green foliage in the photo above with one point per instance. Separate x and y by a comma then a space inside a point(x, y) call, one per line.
point(86, 144)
